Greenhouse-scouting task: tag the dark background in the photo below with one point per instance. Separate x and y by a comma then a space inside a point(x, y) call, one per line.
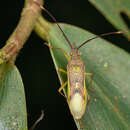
point(35, 64)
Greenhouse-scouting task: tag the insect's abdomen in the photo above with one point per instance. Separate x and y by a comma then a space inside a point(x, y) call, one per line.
point(76, 89)
point(77, 106)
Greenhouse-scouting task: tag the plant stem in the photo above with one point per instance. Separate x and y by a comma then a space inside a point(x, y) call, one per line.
point(29, 15)
point(42, 28)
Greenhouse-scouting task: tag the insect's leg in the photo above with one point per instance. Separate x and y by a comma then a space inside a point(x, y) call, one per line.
point(88, 74)
point(62, 70)
point(66, 56)
point(88, 98)
point(60, 89)
point(90, 82)
point(50, 46)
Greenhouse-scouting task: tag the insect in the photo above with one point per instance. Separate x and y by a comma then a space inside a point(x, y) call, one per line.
point(77, 95)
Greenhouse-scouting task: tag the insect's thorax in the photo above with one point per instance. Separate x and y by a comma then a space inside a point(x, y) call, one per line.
point(75, 69)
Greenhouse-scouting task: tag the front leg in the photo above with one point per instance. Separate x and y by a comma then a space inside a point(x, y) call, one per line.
point(64, 53)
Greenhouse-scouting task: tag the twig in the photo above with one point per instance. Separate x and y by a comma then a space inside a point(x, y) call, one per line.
point(38, 120)
point(29, 15)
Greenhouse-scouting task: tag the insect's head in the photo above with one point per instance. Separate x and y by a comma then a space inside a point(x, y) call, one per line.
point(74, 50)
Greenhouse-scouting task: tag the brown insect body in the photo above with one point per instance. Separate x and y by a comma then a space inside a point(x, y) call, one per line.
point(77, 97)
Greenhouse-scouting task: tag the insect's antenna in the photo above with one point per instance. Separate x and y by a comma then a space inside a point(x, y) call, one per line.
point(53, 18)
point(101, 35)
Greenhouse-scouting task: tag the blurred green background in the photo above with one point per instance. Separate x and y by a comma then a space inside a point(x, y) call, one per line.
point(35, 63)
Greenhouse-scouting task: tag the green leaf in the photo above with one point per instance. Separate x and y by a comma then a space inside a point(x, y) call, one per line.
point(112, 10)
point(109, 107)
point(12, 99)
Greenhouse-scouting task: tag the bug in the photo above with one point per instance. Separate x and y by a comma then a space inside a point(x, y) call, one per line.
point(77, 94)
